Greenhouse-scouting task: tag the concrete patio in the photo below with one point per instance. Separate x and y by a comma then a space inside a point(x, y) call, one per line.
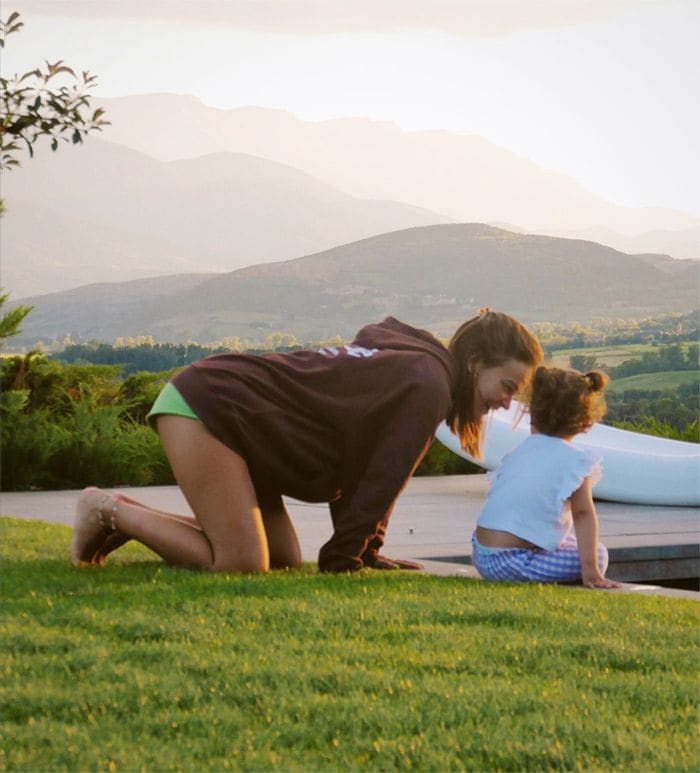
point(434, 519)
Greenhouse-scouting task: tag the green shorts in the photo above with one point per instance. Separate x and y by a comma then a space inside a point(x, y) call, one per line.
point(171, 402)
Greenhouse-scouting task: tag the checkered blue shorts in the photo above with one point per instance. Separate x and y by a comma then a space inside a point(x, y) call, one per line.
point(528, 565)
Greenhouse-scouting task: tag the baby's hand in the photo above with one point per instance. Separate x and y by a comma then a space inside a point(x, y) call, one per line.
point(597, 580)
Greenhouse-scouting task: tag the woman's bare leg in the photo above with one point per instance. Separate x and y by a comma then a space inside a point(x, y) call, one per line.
point(282, 539)
point(184, 518)
point(281, 536)
point(230, 535)
point(115, 540)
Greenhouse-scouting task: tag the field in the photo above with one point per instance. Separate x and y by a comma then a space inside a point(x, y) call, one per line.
point(611, 356)
point(655, 381)
point(137, 666)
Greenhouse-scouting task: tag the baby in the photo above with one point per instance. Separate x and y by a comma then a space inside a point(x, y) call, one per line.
point(543, 488)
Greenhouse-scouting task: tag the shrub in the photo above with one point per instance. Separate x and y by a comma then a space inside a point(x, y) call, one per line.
point(648, 425)
point(439, 460)
point(90, 445)
point(98, 447)
point(139, 391)
point(27, 443)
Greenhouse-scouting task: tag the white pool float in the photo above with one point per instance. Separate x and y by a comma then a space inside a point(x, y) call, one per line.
point(639, 469)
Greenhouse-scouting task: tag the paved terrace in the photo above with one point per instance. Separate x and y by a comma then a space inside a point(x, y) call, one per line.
point(432, 523)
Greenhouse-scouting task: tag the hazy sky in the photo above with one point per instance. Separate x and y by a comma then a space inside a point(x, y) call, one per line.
point(605, 90)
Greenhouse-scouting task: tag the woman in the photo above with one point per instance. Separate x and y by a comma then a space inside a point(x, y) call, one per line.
point(344, 425)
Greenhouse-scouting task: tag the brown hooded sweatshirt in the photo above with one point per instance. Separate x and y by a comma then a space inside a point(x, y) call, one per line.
point(345, 425)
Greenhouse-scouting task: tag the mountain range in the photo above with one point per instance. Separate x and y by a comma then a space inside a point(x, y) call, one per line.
point(189, 222)
point(464, 177)
point(103, 212)
point(210, 190)
point(432, 276)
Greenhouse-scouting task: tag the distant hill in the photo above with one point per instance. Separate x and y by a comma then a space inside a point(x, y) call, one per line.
point(464, 177)
point(667, 379)
point(684, 243)
point(103, 212)
point(433, 276)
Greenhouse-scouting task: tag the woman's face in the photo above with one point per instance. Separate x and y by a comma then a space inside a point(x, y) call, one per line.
point(495, 386)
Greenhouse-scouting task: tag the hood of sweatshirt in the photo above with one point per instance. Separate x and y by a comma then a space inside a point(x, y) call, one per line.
point(391, 333)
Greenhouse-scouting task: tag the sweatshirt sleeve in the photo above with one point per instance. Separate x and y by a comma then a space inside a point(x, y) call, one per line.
point(360, 516)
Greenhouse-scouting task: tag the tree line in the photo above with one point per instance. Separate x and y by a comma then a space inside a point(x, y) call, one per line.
point(665, 358)
point(664, 329)
point(151, 356)
point(668, 412)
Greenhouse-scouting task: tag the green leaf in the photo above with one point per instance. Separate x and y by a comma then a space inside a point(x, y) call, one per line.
point(10, 322)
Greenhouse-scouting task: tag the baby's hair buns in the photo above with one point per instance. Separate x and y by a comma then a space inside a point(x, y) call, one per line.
point(597, 380)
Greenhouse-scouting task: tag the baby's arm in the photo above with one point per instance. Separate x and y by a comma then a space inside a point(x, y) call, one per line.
point(586, 527)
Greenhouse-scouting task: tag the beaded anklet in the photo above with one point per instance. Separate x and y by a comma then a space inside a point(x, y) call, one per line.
point(112, 526)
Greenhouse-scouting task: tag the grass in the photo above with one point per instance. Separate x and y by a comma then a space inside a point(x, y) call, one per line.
point(137, 666)
point(668, 379)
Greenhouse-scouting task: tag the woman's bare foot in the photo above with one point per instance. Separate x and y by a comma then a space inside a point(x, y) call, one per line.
point(93, 525)
point(112, 540)
point(111, 543)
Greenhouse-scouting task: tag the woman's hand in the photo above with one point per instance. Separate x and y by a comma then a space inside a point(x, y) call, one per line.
point(595, 579)
point(383, 562)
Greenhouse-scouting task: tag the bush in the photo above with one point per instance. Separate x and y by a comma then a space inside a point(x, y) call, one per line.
point(26, 443)
point(90, 445)
point(651, 426)
point(98, 447)
point(54, 386)
point(138, 392)
point(439, 460)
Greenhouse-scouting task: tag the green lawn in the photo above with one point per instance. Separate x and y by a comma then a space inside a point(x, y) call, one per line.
point(136, 666)
point(668, 379)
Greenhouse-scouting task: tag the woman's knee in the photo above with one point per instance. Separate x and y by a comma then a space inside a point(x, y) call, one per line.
point(290, 561)
point(241, 564)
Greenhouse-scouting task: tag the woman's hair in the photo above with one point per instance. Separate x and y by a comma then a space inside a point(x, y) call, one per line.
point(491, 339)
point(565, 402)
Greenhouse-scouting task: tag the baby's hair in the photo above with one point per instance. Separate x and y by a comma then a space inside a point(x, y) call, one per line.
point(565, 402)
